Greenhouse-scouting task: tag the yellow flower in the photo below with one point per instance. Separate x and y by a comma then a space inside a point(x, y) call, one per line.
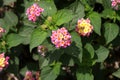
point(2, 62)
point(84, 27)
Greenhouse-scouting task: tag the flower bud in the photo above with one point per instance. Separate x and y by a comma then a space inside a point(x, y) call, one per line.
point(42, 50)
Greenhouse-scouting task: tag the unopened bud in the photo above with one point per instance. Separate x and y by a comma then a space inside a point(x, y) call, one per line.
point(49, 18)
point(44, 27)
point(3, 43)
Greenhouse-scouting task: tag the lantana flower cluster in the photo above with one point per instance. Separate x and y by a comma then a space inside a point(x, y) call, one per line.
point(33, 12)
point(115, 4)
point(3, 61)
point(84, 27)
point(61, 38)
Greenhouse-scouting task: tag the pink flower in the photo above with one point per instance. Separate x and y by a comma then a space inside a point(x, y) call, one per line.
point(61, 38)
point(33, 12)
point(115, 4)
point(3, 61)
point(84, 27)
point(29, 76)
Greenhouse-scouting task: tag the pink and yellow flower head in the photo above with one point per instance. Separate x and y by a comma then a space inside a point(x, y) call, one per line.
point(84, 27)
point(3, 61)
point(61, 38)
point(33, 12)
point(115, 4)
point(29, 76)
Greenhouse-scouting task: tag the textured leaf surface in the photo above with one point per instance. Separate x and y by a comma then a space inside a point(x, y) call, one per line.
point(49, 73)
point(26, 32)
point(49, 7)
point(102, 53)
point(78, 10)
point(14, 40)
point(10, 18)
point(37, 38)
point(117, 73)
point(90, 49)
point(111, 31)
point(96, 22)
point(84, 76)
point(62, 16)
point(8, 2)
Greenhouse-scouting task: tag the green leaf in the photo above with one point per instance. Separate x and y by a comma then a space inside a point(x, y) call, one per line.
point(49, 46)
point(35, 57)
point(84, 76)
point(77, 40)
point(56, 68)
point(106, 4)
point(14, 40)
point(87, 59)
point(44, 63)
point(37, 38)
point(49, 7)
point(22, 38)
point(57, 54)
point(109, 13)
point(29, 23)
point(90, 49)
point(8, 2)
point(26, 32)
point(77, 9)
point(3, 25)
point(23, 70)
point(49, 73)
point(99, 1)
point(117, 73)
point(111, 31)
point(62, 16)
point(78, 12)
point(102, 53)
point(74, 51)
point(10, 18)
point(96, 22)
